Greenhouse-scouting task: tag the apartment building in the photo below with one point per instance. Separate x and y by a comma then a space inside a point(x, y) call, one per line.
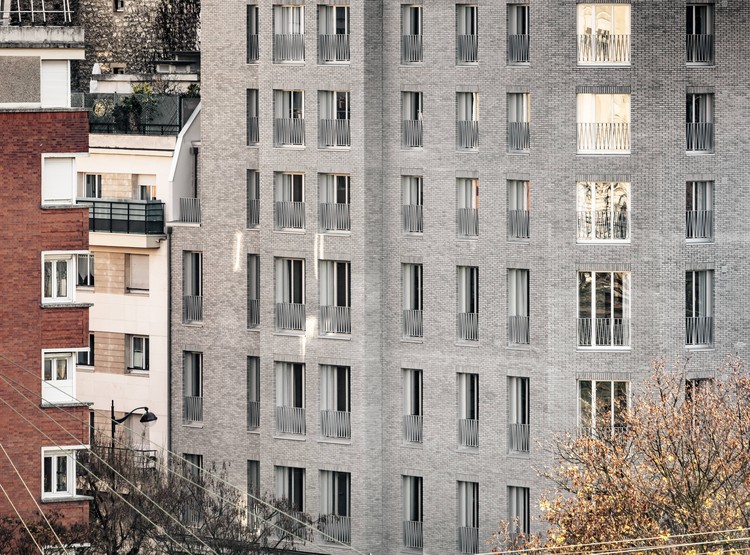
point(349, 357)
point(44, 322)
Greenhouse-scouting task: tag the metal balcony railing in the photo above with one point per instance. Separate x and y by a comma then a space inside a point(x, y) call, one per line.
point(700, 49)
point(333, 48)
point(335, 319)
point(412, 218)
point(518, 330)
point(603, 49)
point(253, 212)
point(36, 12)
point(253, 130)
point(334, 132)
point(290, 316)
point(125, 216)
point(192, 410)
point(519, 136)
point(192, 308)
point(290, 420)
point(468, 432)
point(518, 224)
point(518, 437)
point(603, 332)
point(411, 133)
point(604, 137)
point(289, 48)
point(291, 526)
point(603, 225)
point(336, 424)
point(468, 326)
point(190, 210)
point(467, 47)
point(334, 216)
point(253, 313)
point(518, 49)
point(699, 331)
point(700, 137)
point(467, 222)
point(289, 131)
point(468, 539)
point(336, 528)
point(413, 323)
point(411, 49)
point(289, 214)
point(467, 133)
point(413, 534)
point(253, 415)
point(699, 224)
point(253, 51)
point(413, 428)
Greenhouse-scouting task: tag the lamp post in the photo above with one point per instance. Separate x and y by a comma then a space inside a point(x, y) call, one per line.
point(146, 418)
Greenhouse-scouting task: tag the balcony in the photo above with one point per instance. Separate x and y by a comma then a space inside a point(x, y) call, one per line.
point(603, 225)
point(290, 524)
point(518, 49)
point(518, 437)
point(289, 48)
point(125, 216)
point(335, 319)
point(604, 138)
point(468, 432)
point(699, 225)
point(467, 133)
point(467, 47)
point(411, 215)
point(333, 48)
point(190, 210)
point(290, 316)
point(467, 222)
point(253, 415)
point(700, 49)
point(253, 130)
point(334, 133)
point(192, 410)
point(336, 424)
point(334, 216)
point(468, 326)
point(519, 136)
point(413, 534)
point(468, 539)
point(253, 313)
point(603, 48)
point(604, 332)
point(36, 12)
point(336, 528)
point(192, 308)
point(411, 133)
point(289, 132)
point(413, 323)
point(290, 420)
point(699, 331)
point(518, 224)
point(518, 330)
point(700, 137)
point(289, 214)
point(413, 428)
point(253, 212)
point(411, 49)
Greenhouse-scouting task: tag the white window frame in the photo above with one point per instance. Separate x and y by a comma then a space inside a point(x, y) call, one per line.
point(128, 275)
point(87, 261)
point(284, 486)
point(70, 197)
point(586, 104)
point(583, 19)
point(68, 452)
point(519, 508)
point(56, 391)
point(97, 185)
point(627, 303)
point(594, 426)
point(145, 353)
point(582, 187)
point(69, 257)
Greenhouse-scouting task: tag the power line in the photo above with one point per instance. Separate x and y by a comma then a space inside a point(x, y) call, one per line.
point(41, 551)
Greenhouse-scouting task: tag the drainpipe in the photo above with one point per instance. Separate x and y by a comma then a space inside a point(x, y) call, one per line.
point(169, 339)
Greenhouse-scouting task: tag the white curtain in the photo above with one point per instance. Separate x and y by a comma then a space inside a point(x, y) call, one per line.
point(466, 20)
point(518, 292)
point(518, 400)
point(333, 20)
point(518, 107)
point(288, 104)
point(412, 490)
point(467, 106)
point(699, 195)
point(285, 384)
point(518, 20)
point(467, 194)
point(411, 190)
point(468, 504)
point(412, 392)
point(192, 380)
point(334, 188)
point(327, 492)
point(327, 278)
point(468, 396)
point(289, 187)
point(192, 274)
point(518, 506)
point(137, 271)
point(468, 289)
point(327, 105)
point(411, 106)
point(412, 286)
point(411, 20)
point(253, 379)
point(700, 294)
point(288, 20)
point(518, 195)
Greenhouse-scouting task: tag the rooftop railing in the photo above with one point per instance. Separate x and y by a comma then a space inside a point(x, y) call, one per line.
point(125, 216)
point(36, 12)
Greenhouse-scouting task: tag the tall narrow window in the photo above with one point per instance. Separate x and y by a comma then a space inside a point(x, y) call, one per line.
point(58, 473)
point(86, 358)
point(519, 193)
point(253, 393)
point(335, 506)
point(192, 384)
point(253, 493)
point(699, 19)
point(411, 34)
point(413, 516)
point(467, 207)
point(335, 297)
point(333, 34)
point(288, 34)
point(603, 211)
point(335, 114)
point(699, 321)
point(289, 205)
point(290, 294)
point(92, 185)
point(413, 414)
point(518, 307)
point(699, 117)
point(412, 201)
point(604, 34)
point(57, 286)
point(411, 276)
point(603, 309)
point(518, 415)
point(290, 398)
point(519, 122)
point(411, 116)
point(468, 517)
point(253, 199)
point(253, 129)
point(467, 120)
point(253, 290)
point(602, 406)
point(138, 353)
point(252, 34)
point(468, 410)
point(518, 34)
point(335, 401)
point(603, 123)
point(467, 34)
point(289, 118)
point(335, 201)
point(518, 510)
point(468, 302)
point(699, 213)
point(290, 485)
point(192, 285)
point(85, 270)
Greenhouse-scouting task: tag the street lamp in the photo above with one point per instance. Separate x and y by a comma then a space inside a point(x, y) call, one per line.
point(147, 418)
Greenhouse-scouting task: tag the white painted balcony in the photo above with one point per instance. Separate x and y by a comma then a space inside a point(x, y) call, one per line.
point(192, 308)
point(253, 313)
point(412, 323)
point(290, 420)
point(411, 133)
point(336, 424)
point(518, 437)
point(333, 48)
point(603, 48)
point(603, 225)
point(192, 410)
point(253, 130)
point(411, 49)
point(289, 132)
point(413, 428)
point(334, 133)
point(289, 214)
point(334, 216)
point(467, 222)
point(518, 49)
point(468, 326)
point(253, 52)
point(603, 332)
point(413, 534)
point(411, 215)
point(190, 210)
point(700, 49)
point(699, 331)
point(604, 138)
point(519, 136)
point(700, 137)
point(336, 528)
point(253, 415)
point(699, 225)
point(289, 48)
point(335, 319)
point(467, 47)
point(253, 212)
point(290, 316)
point(468, 432)
point(518, 224)
point(518, 330)
point(468, 539)
point(467, 134)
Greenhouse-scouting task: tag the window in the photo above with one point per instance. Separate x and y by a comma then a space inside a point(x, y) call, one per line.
point(335, 296)
point(518, 34)
point(92, 186)
point(467, 34)
point(518, 415)
point(253, 199)
point(193, 464)
point(86, 358)
point(192, 286)
point(604, 309)
point(603, 211)
point(519, 193)
point(412, 202)
point(335, 506)
point(411, 115)
point(468, 302)
point(468, 410)
point(54, 81)
point(335, 113)
point(519, 122)
point(58, 373)
point(518, 510)
point(138, 351)
point(518, 307)
point(333, 34)
point(467, 120)
point(468, 517)
point(335, 401)
point(602, 406)
point(467, 207)
point(253, 493)
point(288, 34)
point(85, 270)
point(413, 414)
point(58, 180)
point(192, 510)
point(413, 516)
point(290, 398)
point(192, 385)
point(335, 199)
point(411, 31)
point(146, 192)
point(604, 34)
point(289, 202)
point(253, 124)
point(699, 26)
point(253, 290)
point(290, 294)
point(290, 485)
point(699, 117)
point(253, 52)
point(56, 286)
point(411, 280)
point(136, 273)
point(603, 123)
point(119, 5)
point(253, 393)
point(289, 118)
point(58, 473)
point(699, 322)
point(699, 214)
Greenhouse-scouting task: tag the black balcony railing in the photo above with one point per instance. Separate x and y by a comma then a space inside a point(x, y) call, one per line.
point(125, 216)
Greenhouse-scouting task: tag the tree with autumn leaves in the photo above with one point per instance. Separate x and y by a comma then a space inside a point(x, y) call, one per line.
point(677, 470)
